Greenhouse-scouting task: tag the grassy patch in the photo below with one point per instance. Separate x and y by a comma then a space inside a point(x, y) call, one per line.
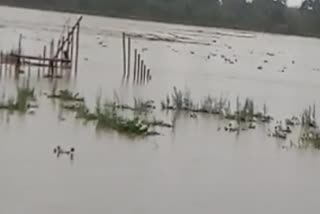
point(66, 95)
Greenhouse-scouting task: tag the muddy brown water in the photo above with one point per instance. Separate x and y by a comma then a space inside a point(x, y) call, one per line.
point(191, 169)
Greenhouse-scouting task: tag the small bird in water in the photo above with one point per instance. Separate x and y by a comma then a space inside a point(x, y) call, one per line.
point(59, 151)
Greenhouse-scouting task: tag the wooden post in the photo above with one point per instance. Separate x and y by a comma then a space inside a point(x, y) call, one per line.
point(148, 75)
point(144, 73)
point(138, 68)
point(44, 56)
point(135, 65)
point(1, 61)
point(71, 51)
point(68, 46)
point(52, 48)
point(129, 57)
point(18, 62)
point(10, 65)
point(63, 56)
point(77, 48)
point(124, 53)
point(39, 71)
point(6, 63)
point(141, 71)
point(51, 64)
point(29, 70)
point(20, 44)
point(56, 64)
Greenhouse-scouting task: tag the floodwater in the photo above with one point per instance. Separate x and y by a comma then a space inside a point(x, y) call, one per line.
point(191, 169)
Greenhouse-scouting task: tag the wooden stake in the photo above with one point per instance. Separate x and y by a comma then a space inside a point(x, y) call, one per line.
point(71, 50)
point(63, 56)
point(39, 71)
point(51, 64)
point(44, 56)
point(129, 57)
point(144, 73)
point(6, 63)
point(29, 70)
point(20, 44)
point(56, 64)
point(77, 48)
point(124, 53)
point(10, 66)
point(135, 65)
point(141, 72)
point(138, 68)
point(1, 61)
point(148, 75)
point(10, 69)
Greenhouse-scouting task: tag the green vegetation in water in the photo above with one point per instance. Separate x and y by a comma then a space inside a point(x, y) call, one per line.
point(140, 106)
point(310, 132)
point(21, 103)
point(180, 101)
point(66, 95)
point(107, 117)
point(156, 122)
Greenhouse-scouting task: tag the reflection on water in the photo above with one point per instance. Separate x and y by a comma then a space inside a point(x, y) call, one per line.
point(194, 168)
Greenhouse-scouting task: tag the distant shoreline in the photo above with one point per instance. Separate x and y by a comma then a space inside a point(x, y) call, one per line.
point(152, 19)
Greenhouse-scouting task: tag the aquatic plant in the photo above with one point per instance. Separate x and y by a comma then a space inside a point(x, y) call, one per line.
point(20, 103)
point(109, 118)
point(207, 104)
point(308, 117)
point(66, 95)
point(156, 122)
point(143, 106)
point(177, 99)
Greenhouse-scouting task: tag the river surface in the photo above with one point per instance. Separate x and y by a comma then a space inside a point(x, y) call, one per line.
point(191, 169)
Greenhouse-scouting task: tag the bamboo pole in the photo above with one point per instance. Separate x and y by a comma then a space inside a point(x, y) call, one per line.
point(63, 56)
point(148, 75)
point(29, 70)
point(10, 65)
point(51, 63)
point(68, 46)
point(135, 65)
point(144, 73)
point(18, 62)
point(1, 61)
point(141, 71)
point(71, 50)
point(20, 44)
point(6, 63)
point(138, 68)
point(70, 33)
point(44, 56)
point(129, 57)
point(124, 53)
point(77, 48)
point(56, 64)
point(39, 71)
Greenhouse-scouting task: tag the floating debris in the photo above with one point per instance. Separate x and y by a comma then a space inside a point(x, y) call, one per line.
point(270, 54)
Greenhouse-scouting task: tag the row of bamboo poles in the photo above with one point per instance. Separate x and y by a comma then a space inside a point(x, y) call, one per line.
point(59, 61)
point(141, 73)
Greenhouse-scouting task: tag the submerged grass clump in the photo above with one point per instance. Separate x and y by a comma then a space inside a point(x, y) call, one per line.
point(21, 103)
point(66, 95)
point(310, 132)
point(107, 116)
point(217, 106)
